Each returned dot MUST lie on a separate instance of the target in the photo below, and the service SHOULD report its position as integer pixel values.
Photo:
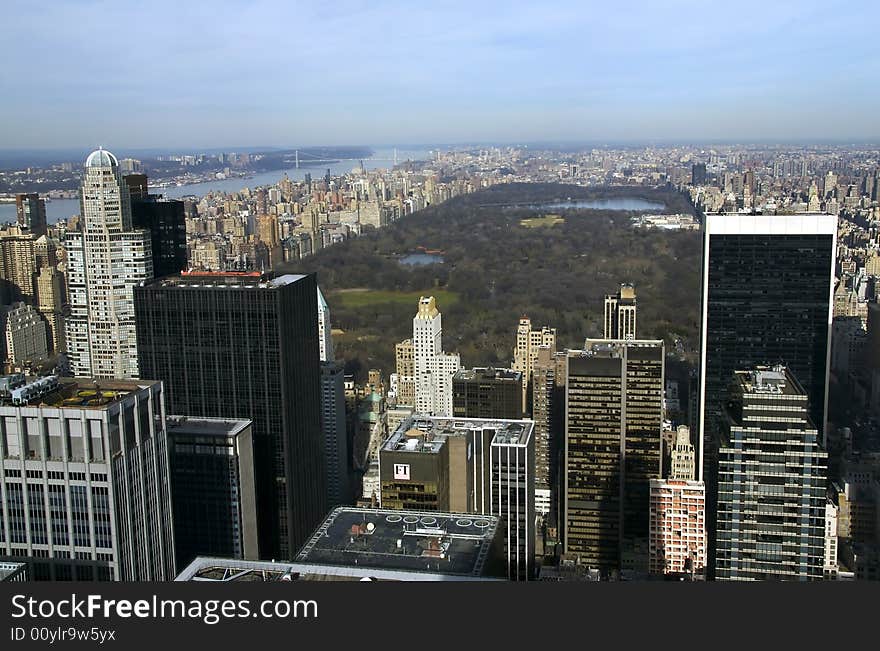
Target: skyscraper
(528, 342)
(433, 368)
(30, 211)
(677, 545)
(547, 400)
(18, 263)
(479, 466)
(106, 259)
(325, 341)
(487, 393)
(166, 223)
(768, 282)
(84, 472)
(25, 333)
(245, 345)
(613, 422)
(211, 465)
(620, 313)
(50, 303)
(772, 482)
(333, 423)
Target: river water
(61, 209)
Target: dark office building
(772, 479)
(767, 286)
(211, 462)
(166, 221)
(698, 174)
(245, 345)
(487, 393)
(30, 211)
(614, 418)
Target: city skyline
(403, 73)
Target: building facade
(211, 465)
(106, 258)
(528, 343)
(165, 221)
(30, 212)
(333, 421)
(620, 314)
(678, 516)
(51, 304)
(245, 345)
(475, 466)
(487, 393)
(768, 283)
(26, 339)
(772, 482)
(613, 424)
(84, 478)
(433, 369)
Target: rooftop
(189, 426)
(484, 373)
(101, 158)
(69, 393)
(769, 380)
(430, 543)
(227, 570)
(231, 279)
(428, 434)
(9, 570)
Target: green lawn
(359, 298)
(542, 222)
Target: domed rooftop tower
(101, 158)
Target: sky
(190, 74)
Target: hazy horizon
(222, 74)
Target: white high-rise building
(325, 342)
(26, 339)
(528, 343)
(106, 258)
(433, 369)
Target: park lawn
(360, 298)
(548, 220)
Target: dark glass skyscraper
(487, 393)
(613, 423)
(166, 222)
(245, 345)
(767, 299)
(211, 464)
(30, 211)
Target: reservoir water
(419, 259)
(616, 203)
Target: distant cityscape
(174, 405)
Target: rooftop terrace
(403, 541)
(428, 434)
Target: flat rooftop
(76, 393)
(231, 279)
(484, 373)
(9, 569)
(190, 426)
(226, 570)
(769, 380)
(426, 542)
(428, 434)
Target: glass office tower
(772, 478)
(768, 282)
(245, 345)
